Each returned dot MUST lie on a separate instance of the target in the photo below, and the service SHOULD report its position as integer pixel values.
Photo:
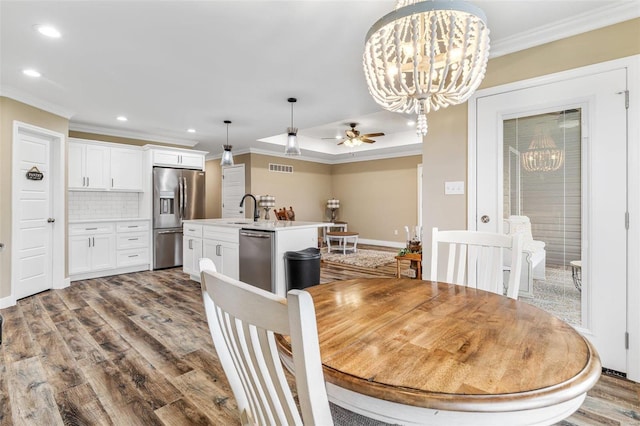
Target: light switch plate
(454, 188)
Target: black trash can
(302, 268)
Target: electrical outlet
(395, 232)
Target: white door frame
(58, 156)
(632, 63)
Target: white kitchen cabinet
(132, 244)
(126, 169)
(224, 255)
(221, 244)
(88, 166)
(91, 248)
(191, 249)
(178, 159)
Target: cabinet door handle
(87, 181)
(93, 240)
(89, 241)
(132, 226)
(84, 181)
(133, 255)
(133, 239)
(90, 229)
(190, 244)
(112, 182)
(218, 250)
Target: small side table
(343, 238)
(415, 258)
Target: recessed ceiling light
(31, 73)
(191, 130)
(411, 123)
(48, 30)
(122, 118)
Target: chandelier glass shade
(227, 157)
(426, 55)
(292, 147)
(353, 142)
(543, 155)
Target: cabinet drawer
(221, 233)
(131, 240)
(132, 257)
(142, 225)
(191, 230)
(91, 228)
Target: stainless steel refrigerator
(178, 195)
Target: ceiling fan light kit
(426, 55)
(227, 157)
(292, 147)
(354, 138)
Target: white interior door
(33, 244)
(600, 98)
(232, 191)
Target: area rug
(557, 295)
(362, 258)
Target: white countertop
(115, 219)
(262, 225)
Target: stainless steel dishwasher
(256, 258)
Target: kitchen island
(219, 240)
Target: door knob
(485, 219)
(51, 220)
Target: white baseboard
(7, 302)
(381, 243)
(109, 272)
(66, 282)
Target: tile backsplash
(103, 205)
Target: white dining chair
(475, 260)
(242, 320)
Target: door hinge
(626, 340)
(626, 220)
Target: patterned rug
(362, 258)
(557, 295)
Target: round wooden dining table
(409, 351)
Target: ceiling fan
(354, 138)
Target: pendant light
(227, 157)
(426, 55)
(292, 148)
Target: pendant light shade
(426, 55)
(227, 157)
(292, 148)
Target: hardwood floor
(135, 349)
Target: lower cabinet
(91, 248)
(191, 254)
(225, 256)
(107, 248)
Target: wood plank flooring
(135, 349)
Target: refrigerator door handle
(180, 198)
(184, 199)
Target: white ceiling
(173, 65)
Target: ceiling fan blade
(373, 135)
(366, 140)
(330, 138)
(351, 133)
(341, 142)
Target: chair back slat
(243, 320)
(477, 256)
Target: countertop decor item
(292, 147)
(426, 55)
(227, 157)
(266, 202)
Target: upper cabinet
(178, 158)
(88, 166)
(126, 169)
(104, 166)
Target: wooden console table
(415, 258)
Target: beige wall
(378, 197)
(213, 189)
(11, 110)
(445, 146)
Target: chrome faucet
(256, 213)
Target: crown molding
(34, 101)
(578, 24)
(131, 134)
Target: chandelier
(543, 155)
(426, 55)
